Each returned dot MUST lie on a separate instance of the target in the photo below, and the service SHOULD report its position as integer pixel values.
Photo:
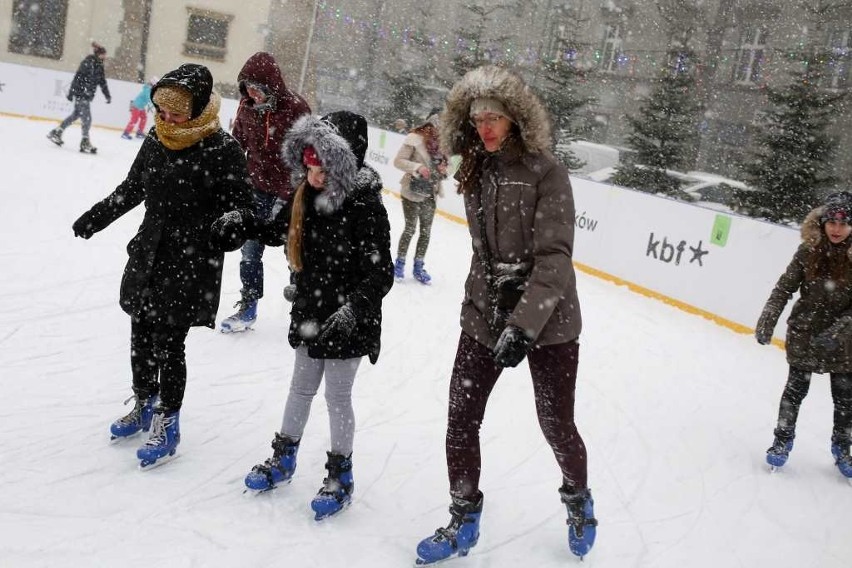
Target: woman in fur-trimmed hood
(819, 329)
(338, 243)
(520, 297)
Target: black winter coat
(173, 274)
(89, 76)
(346, 256)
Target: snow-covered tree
(794, 153)
(563, 90)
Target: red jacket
(260, 131)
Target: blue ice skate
(137, 420)
(399, 269)
(420, 273)
(582, 524)
(277, 469)
(779, 452)
(242, 320)
(335, 495)
(457, 538)
(164, 440)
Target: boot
(336, 491)
(582, 524)
(164, 440)
(86, 147)
(420, 273)
(838, 440)
(844, 461)
(137, 420)
(242, 320)
(55, 136)
(458, 537)
(277, 469)
(777, 454)
(399, 269)
(126, 135)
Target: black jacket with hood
(173, 275)
(346, 244)
(89, 76)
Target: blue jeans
(251, 265)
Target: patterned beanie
(488, 104)
(837, 207)
(173, 99)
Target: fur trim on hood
(338, 160)
(812, 230)
(526, 108)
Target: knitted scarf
(184, 135)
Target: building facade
(347, 53)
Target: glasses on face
(489, 120)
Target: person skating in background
(89, 76)
(425, 167)
(139, 107)
(188, 173)
(338, 240)
(266, 113)
(819, 330)
(520, 298)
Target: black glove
(109, 100)
(512, 346)
(82, 227)
(338, 327)
(69, 97)
(763, 337)
(825, 341)
(227, 233)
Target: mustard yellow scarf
(184, 135)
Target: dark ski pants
(554, 376)
(158, 361)
(798, 383)
(82, 110)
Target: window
(611, 52)
(207, 34)
(38, 27)
(837, 72)
(751, 55)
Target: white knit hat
(488, 104)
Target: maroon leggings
(554, 375)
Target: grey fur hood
(812, 231)
(528, 111)
(338, 160)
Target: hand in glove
(337, 328)
(109, 100)
(825, 341)
(512, 346)
(82, 227)
(227, 233)
(763, 337)
(69, 97)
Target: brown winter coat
(822, 307)
(260, 131)
(528, 220)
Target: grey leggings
(339, 378)
(424, 211)
(81, 111)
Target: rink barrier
(716, 265)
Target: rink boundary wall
(715, 265)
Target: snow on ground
(676, 413)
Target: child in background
(139, 111)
